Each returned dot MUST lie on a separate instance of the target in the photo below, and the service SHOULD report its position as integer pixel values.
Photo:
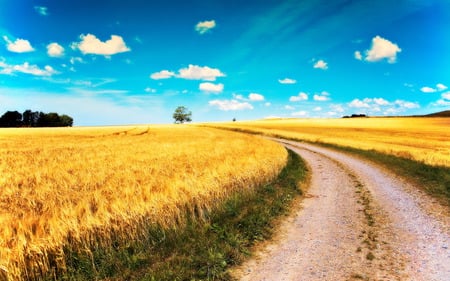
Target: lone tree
(182, 114)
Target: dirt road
(357, 222)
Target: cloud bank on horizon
(135, 62)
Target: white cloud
(358, 55)
(18, 46)
(73, 60)
(376, 105)
(289, 107)
(317, 108)
(43, 11)
(55, 50)
(337, 107)
(27, 69)
(195, 72)
(444, 101)
(358, 104)
(163, 74)
(408, 85)
(205, 26)
(211, 88)
(251, 97)
(150, 90)
(239, 97)
(287, 81)
(321, 64)
(441, 87)
(382, 49)
(300, 97)
(380, 101)
(267, 104)
(446, 96)
(230, 105)
(299, 113)
(322, 96)
(192, 72)
(255, 97)
(92, 45)
(407, 104)
(427, 90)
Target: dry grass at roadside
(421, 139)
(85, 187)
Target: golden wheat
(80, 187)
(422, 139)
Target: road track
(356, 222)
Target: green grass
(203, 248)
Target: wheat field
(90, 186)
(421, 139)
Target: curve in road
(357, 222)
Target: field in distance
(418, 138)
(97, 186)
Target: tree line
(31, 118)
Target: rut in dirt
(356, 222)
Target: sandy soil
(357, 222)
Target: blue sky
(128, 62)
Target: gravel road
(356, 222)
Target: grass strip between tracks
(205, 247)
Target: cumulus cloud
(195, 72)
(322, 96)
(289, 107)
(300, 97)
(428, 90)
(230, 105)
(446, 96)
(55, 50)
(251, 97)
(18, 46)
(205, 26)
(321, 64)
(382, 49)
(380, 101)
(337, 107)
(150, 90)
(255, 97)
(27, 69)
(43, 11)
(192, 72)
(239, 97)
(439, 88)
(299, 113)
(317, 108)
(444, 100)
(211, 88)
(358, 55)
(163, 74)
(287, 81)
(357, 103)
(407, 104)
(376, 105)
(90, 44)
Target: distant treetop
(34, 119)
